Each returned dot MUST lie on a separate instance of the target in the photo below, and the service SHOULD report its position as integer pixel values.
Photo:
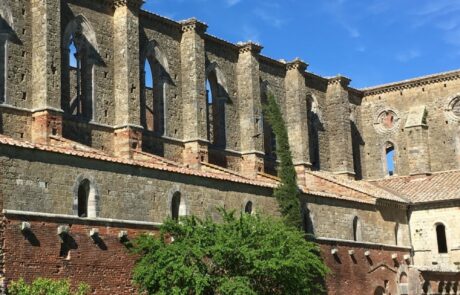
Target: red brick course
(106, 266)
(357, 275)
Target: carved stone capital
(193, 24)
(250, 47)
(297, 64)
(342, 80)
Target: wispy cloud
(269, 17)
(408, 55)
(336, 8)
(250, 33)
(232, 2)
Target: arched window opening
(215, 110)
(80, 55)
(154, 81)
(390, 158)
(441, 238)
(178, 207)
(269, 135)
(83, 198)
(248, 208)
(6, 32)
(3, 67)
(314, 125)
(357, 235)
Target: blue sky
(370, 41)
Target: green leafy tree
(43, 286)
(238, 256)
(287, 193)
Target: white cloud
(408, 55)
(269, 17)
(232, 2)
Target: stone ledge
(360, 243)
(76, 219)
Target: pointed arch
(6, 32)
(390, 156)
(216, 99)
(79, 43)
(314, 127)
(155, 79)
(269, 135)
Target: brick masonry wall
(106, 266)
(356, 274)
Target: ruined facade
(113, 118)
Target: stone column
(46, 69)
(296, 117)
(339, 127)
(128, 131)
(194, 93)
(250, 110)
(418, 150)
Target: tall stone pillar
(250, 110)
(416, 131)
(339, 127)
(296, 117)
(128, 131)
(194, 93)
(46, 69)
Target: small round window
(386, 121)
(453, 108)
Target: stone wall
(378, 224)
(48, 182)
(424, 220)
(441, 124)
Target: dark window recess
(441, 237)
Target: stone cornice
(412, 83)
(193, 24)
(121, 3)
(297, 65)
(342, 80)
(250, 47)
(161, 19)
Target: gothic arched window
(216, 98)
(80, 53)
(248, 208)
(154, 81)
(6, 32)
(390, 158)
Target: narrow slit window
(3, 69)
(441, 238)
(357, 229)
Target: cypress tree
(287, 193)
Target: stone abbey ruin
(113, 118)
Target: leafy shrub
(43, 286)
(246, 255)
